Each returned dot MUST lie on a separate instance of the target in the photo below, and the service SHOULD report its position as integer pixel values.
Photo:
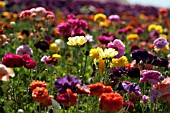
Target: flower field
(92, 58)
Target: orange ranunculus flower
(67, 99)
(37, 83)
(129, 28)
(40, 94)
(112, 102)
(98, 88)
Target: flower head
(5, 73)
(68, 82)
(119, 46)
(107, 53)
(40, 94)
(60, 43)
(119, 62)
(54, 48)
(98, 88)
(160, 42)
(164, 89)
(37, 83)
(68, 98)
(43, 45)
(151, 76)
(111, 102)
(94, 53)
(23, 49)
(100, 18)
(114, 18)
(76, 41)
(132, 37)
(12, 60)
(130, 87)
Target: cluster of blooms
(69, 86)
(40, 93)
(73, 27)
(13, 60)
(37, 14)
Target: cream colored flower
(107, 53)
(76, 41)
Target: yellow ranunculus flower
(163, 36)
(76, 41)
(159, 28)
(54, 48)
(56, 56)
(2, 4)
(94, 53)
(107, 53)
(132, 37)
(105, 23)
(151, 27)
(100, 64)
(119, 62)
(100, 17)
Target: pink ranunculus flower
(23, 49)
(119, 46)
(151, 76)
(164, 88)
(114, 18)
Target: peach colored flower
(164, 89)
(37, 83)
(5, 73)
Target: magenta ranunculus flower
(28, 61)
(23, 49)
(160, 42)
(151, 76)
(145, 99)
(104, 39)
(12, 60)
(119, 46)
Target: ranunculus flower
(40, 94)
(76, 41)
(114, 18)
(130, 87)
(37, 83)
(164, 89)
(160, 43)
(119, 46)
(68, 98)
(151, 76)
(28, 62)
(60, 43)
(43, 45)
(5, 73)
(68, 82)
(112, 102)
(12, 60)
(23, 49)
(145, 99)
(98, 88)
